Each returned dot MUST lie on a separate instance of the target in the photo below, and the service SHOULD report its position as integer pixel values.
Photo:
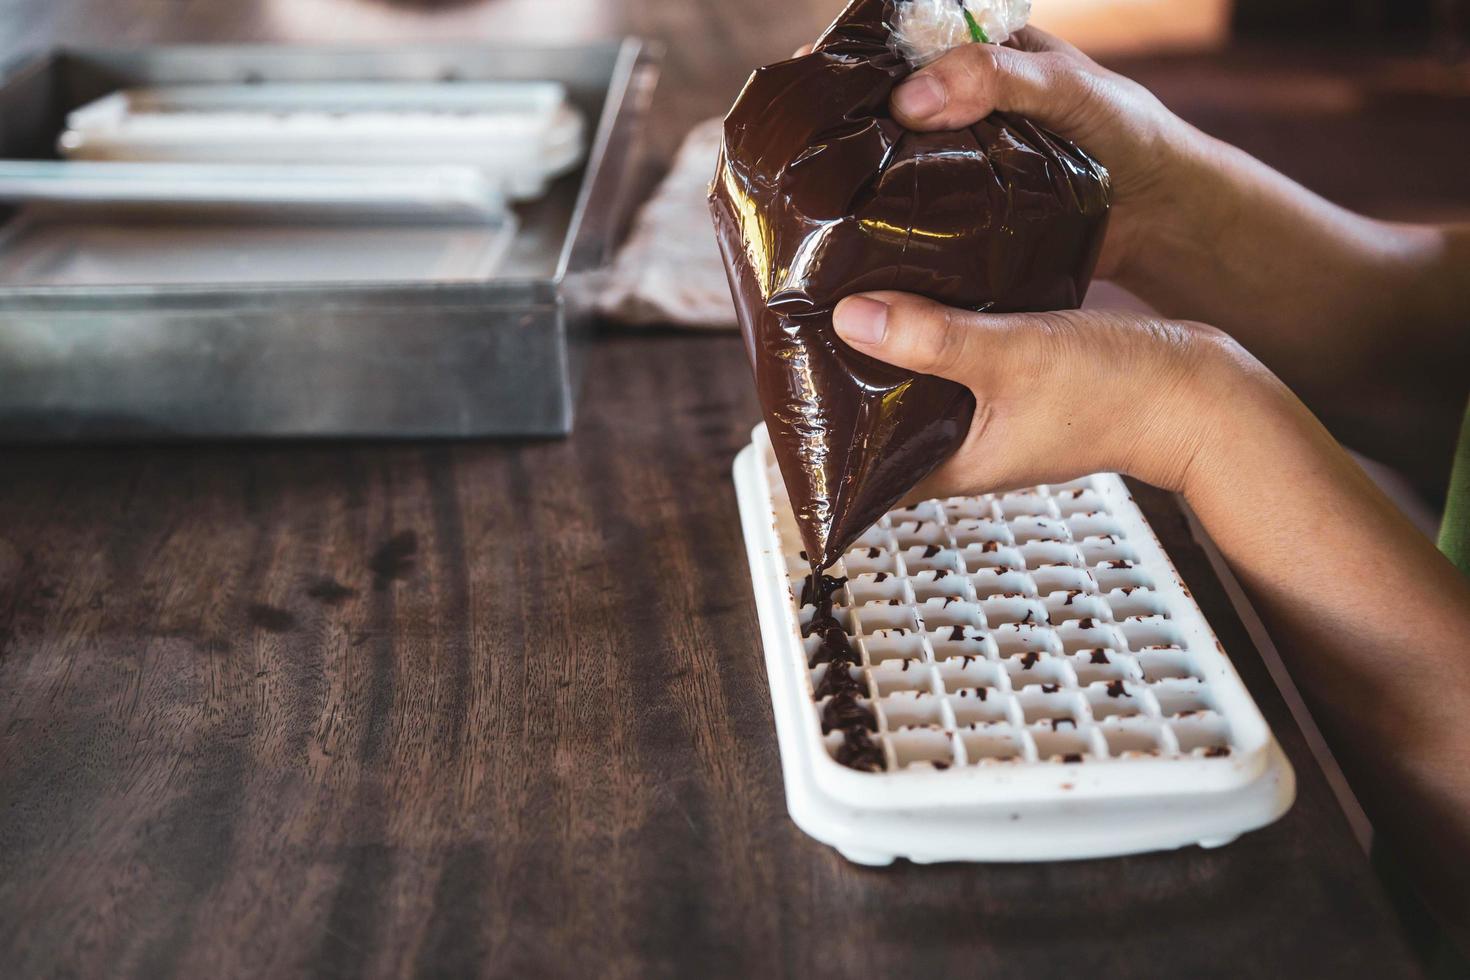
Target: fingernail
(920, 97)
(861, 320)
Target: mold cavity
(892, 677)
(1206, 735)
(1002, 611)
(1162, 665)
(1088, 633)
(931, 557)
(1095, 665)
(929, 585)
(910, 711)
(1012, 641)
(1039, 554)
(1136, 602)
(1121, 576)
(968, 533)
(1124, 742)
(1100, 550)
(1039, 529)
(862, 561)
(1000, 581)
(1014, 505)
(876, 587)
(1060, 578)
(1143, 633)
(969, 675)
(1032, 669)
(1181, 699)
(1065, 607)
(1061, 746)
(973, 710)
(1078, 500)
(884, 647)
(950, 612)
(922, 748)
(910, 533)
(1093, 526)
(992, 746)
(1114, 699)
(876, 616)
(1038, 706)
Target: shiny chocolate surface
(820, 194)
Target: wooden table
(500, 708)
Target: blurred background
(1335, 92)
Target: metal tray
(499, 357)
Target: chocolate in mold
(819, 194)
(813, 593)
(844, 711)
(838, 687)
(858, 751)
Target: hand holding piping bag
(1363, 319)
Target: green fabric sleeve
(1454, 533)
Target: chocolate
(858, 751)
(819, 194)
(838, 680)
(842, 712)
(834, 646)
(827, 588)
(845, 712)
(1116, 690)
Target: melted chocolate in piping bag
(820, 194)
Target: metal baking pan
(452, 358)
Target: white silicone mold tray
(1041, 684)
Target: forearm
(1368, 321)
(1373, 623)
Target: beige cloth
(670, 272)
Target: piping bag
(819, 194)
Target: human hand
(1060, 395)
(1145, 147)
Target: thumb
(911, 332)
(1052, 86)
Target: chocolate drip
(843, 711)
(826, 585)
(858, 751)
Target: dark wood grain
(540, 744)
(500, 708)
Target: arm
(1373, 620)
(1366, 320)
